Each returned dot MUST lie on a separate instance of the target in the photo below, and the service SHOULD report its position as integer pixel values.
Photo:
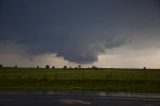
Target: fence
(80, 74)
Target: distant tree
(79, 66)
(15, 66)
(94, 67)
(47, 67)
(37, 66)
(76, 67)
(144, 68)
(64, 67)
(53, 67)
(1, 65)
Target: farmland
(109, 79)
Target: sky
(105, 33)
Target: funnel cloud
(79, 30)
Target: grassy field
(127, 80)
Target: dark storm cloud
(78, 30)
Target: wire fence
(80, 74)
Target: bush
(47, 66)
(1, 65)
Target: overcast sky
(105, 33)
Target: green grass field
(129, 80)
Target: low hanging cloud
(78, 31)
(13, 54)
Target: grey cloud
(75, 30)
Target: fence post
(29, 76)
(107, 77)
(4, 73)
(83, 74)
(44, 75)
(55, 75)
(114, 72)
(145, 74)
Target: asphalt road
(78, 99)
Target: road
(78, 99)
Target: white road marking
(74, 101)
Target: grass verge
(68, 85)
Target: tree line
(53, 67)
